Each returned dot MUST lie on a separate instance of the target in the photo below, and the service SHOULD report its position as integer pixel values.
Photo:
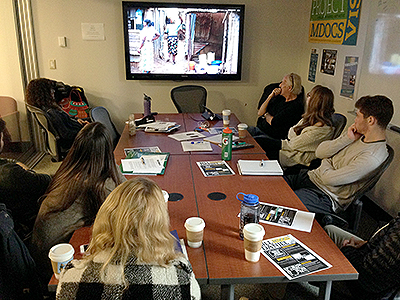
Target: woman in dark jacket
(40, 93)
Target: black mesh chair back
(268, 90)
(100, 114)
(339, 122)
(189, 98)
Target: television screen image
(174, 41)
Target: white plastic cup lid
(253, 232)
(61, 252)
(166, 195)
(242, 126)
(226, 112)
(195, 224)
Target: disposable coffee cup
(253, 236)
(242, 128)
(194, 231)
(226, 113)
(166, 196)
(60, 255)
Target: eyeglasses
(292, 80)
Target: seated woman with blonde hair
(132, 253)
(280, 108)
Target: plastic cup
(253, 236)
(131, 125)
(242, 128)
(60, 255)
(226, 113)
(194, 231)
(166, 195)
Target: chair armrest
(332, 219)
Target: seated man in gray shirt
(348, 161)
(20, 189)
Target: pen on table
(276, 212)
(196, 142)
(142, 159)
(158, 162)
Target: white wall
(276, 43)
(387, 191)
(274, 40)
(10, 75)
(342, 104)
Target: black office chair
(189, 98)
(18, 273)
(350, 218)
(100, 114)
(50, 135)
(339, 122)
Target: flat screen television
(180, 41)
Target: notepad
(259, 167)
(159, 126)
(144, 163)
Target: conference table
(221, 260)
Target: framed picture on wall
(349, 76)
(328, 63)
(313, 65)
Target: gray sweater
(346, 166)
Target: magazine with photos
(292, 257)
(215, 168)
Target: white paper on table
(292, 257)
(303, 220)
(184, 136)
(217, 139)
(218, 130)
(145, 164)
(196, 146)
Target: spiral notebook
(259, 167)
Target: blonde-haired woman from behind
(132, 252)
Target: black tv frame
(182, 76)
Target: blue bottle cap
(249, 199)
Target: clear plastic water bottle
(226, 153)
(131, 125)
(249, 210)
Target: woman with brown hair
(315, 127)
(79, 187)
(40, 93)
(132, 253)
